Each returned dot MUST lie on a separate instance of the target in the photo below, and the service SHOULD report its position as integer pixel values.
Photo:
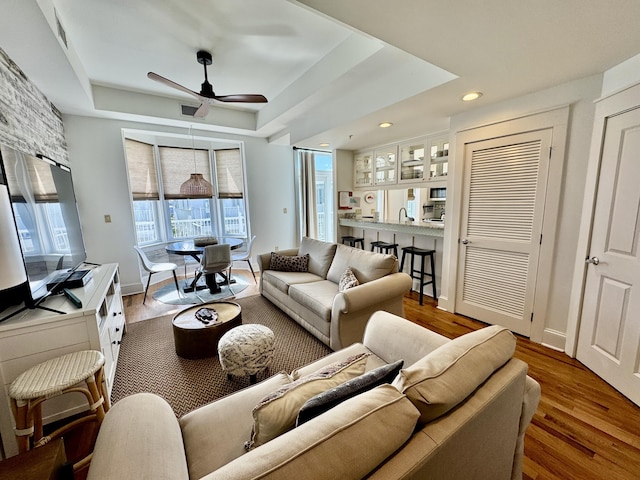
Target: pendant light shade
(196, 187)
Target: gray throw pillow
(327, 400)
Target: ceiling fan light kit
(206, 95)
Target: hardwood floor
(583, 428)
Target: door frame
(556, 119)
(614, 103)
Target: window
(162, 212)
(314, 185)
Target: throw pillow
(276, 413)
(327, 400)
(442, 379)
(347, 280)
(289, 263)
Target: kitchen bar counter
(430, 229)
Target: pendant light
(196, 186)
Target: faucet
(411, 219)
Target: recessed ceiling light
(385, 124)
(472, 96)
(324, 144)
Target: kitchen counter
(430, 229)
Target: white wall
(97, 161)
(579, 95)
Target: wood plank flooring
(583, 428)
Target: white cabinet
(363, 169)
(413, 162)
(385, 165)
(34, 336)
(439, 158)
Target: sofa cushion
(347, 280)
(366, 266)
(206, 449)
(445, 377)
(282, 280)
(327, 400)
(320, 255)
(289, 263)
(276, 413)
(317, 297)
(347, 443)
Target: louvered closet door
(504, 192)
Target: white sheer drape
(306, 175)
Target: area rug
(169, 295)
(148, 362)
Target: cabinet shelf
(412, 163)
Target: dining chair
(216, 259)
(246, 256)
(152, 268)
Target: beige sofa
(457, 410)
(314, 301)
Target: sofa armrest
(380, 290)
(530, 402)
(352, 308)
(139, 438)
(394, 338)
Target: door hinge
(531, 317)
(540, 239)
(550, 150)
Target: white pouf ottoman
(246, 350)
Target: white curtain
(306, 175)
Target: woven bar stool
(353, 241)
(55, 377)
(422, 253)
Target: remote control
(75, 300)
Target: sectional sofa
(457, 409)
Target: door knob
(593, 260)
(465, 241)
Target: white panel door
(609, 338)
(505, 181)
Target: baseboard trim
(554, 339)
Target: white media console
(34, 336)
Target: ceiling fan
(206, 95)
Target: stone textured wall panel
(29, 122)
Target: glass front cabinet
(385, 165)
(439, 158)
(412, 162)
(363, 169)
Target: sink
(433, 220)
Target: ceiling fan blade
(166, 81)
(248, 98)
(202, 111)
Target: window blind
(229, 173)
(142, 170)
(176, 165)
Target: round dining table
(188, 247)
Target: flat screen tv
(47, 222)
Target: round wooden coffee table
(194, 338)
